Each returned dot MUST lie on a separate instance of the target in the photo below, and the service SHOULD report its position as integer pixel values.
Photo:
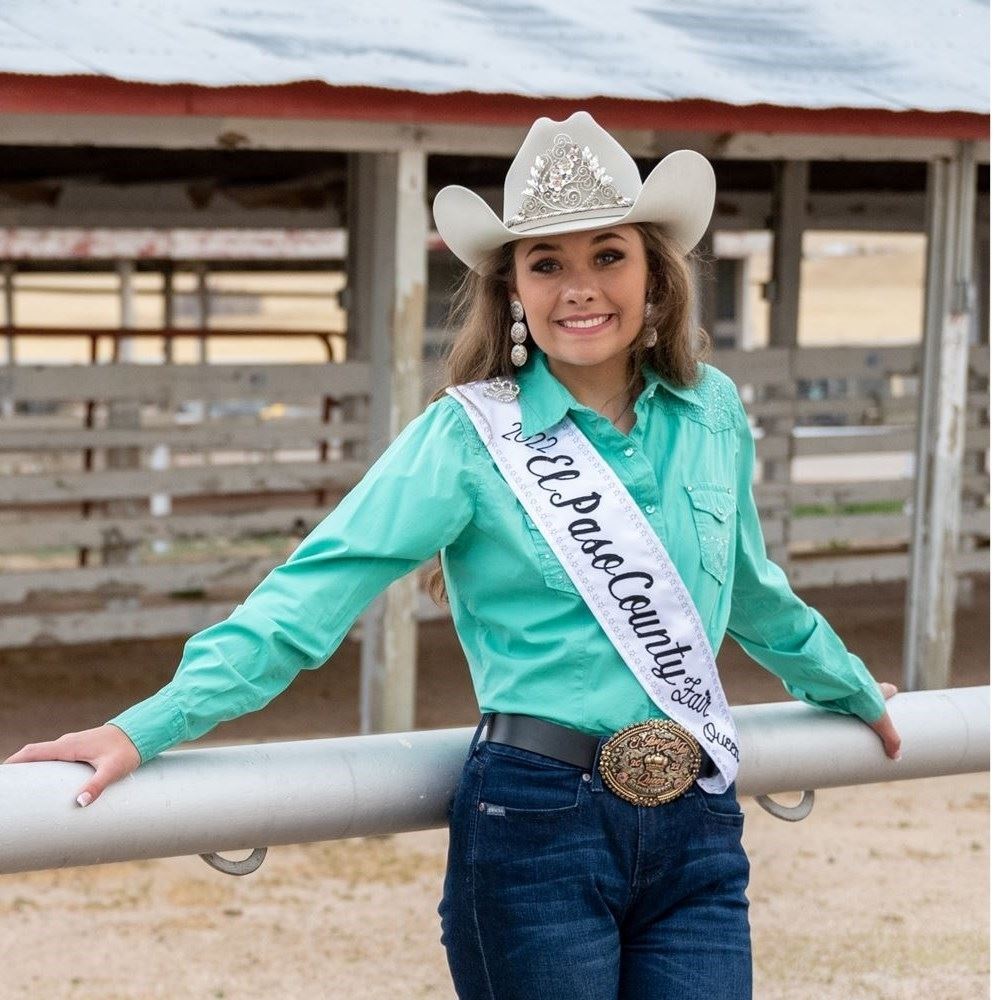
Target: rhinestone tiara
(566, 179)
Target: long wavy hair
(479, 316)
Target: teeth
(582, 324)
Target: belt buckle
(651, 762)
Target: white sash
(619, 566)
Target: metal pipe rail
(237, 797)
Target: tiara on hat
(566, 179)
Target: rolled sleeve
(780, 631)
(413, 501)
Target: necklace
(627, 415)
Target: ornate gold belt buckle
(650, 762)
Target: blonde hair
(480, 317)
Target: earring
(649, 332)
(518, 333)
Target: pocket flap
(715, 500)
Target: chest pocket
(714, 510)
(552, 570)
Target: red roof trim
(90, 95)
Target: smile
(588, 323)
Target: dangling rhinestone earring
(518, 333)
(649, 333)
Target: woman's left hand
(884, 728)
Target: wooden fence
(145, 500)
(851, 413)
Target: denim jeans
(557, 888)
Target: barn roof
(893, 55)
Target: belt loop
(596, 784)
(483, 719)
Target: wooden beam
(705, 274)
(213, 480)
(312, 115)
(56, 628)
(233, 434)
(949, 303)
(88, 206)
(387, 268)
(168, 385)
(116, 582)
(8, 270)
(123, 415)
(844, 570)
(788, 224)
(23, 533)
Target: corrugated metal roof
(888, 54)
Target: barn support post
(977, 462)
(705, 280)
(123, 414)
(204, 310)
(9, 270)
(203, 314)
(161, 504)
(387, 286)
(981, 331)
(788, 220)
(949, 306)
(169, 310)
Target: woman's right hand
(107, 749)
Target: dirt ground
(881, 893)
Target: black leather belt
(553, 740)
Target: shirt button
(629, 452)
(690, 488)
(650, 509)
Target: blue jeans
(557, 888)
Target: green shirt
(532, 644)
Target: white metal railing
(237, 797)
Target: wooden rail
(270, 448)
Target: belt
(575, 747)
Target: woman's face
(584, 294)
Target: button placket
(646, 487)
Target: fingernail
(898, 755)
(85, 798)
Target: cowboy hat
(573, 175)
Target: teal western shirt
(532, 644)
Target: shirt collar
(545, 400)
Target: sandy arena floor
(881, 893)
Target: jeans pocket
(516, 781)
(525, 803)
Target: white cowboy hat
(573, 175)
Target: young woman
(587, 484)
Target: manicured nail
(85, 798)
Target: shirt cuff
(153, 725)
(867, 704)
